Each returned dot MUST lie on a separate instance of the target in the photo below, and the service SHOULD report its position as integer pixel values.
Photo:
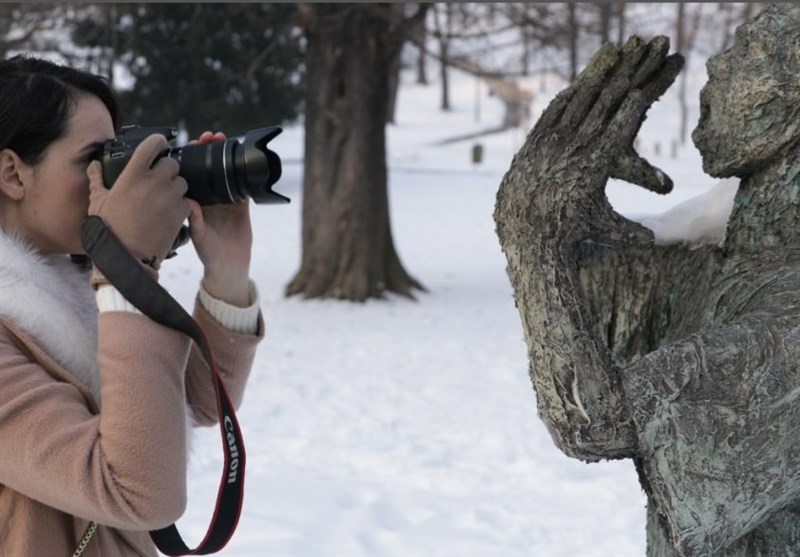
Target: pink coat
(63, 463)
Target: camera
(216, 173)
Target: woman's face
(56, 195)
(745, 108)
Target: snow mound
(700, 220)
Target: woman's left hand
(223, 237)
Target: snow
(697, 221)
(402, 428)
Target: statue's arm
(550, 202)
(641, 299)
(718, 428)
(579, 395)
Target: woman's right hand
(146, 205)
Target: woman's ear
(13, 171)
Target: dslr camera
(221, 172)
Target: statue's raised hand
(553, 198)
(584, 137)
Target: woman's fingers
(208, 137)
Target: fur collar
(50, 298)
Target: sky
(409, 428)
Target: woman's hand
(146, 205)
(223, 237)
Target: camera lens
(230, 171)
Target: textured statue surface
(685, 360)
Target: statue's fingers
(659, 83)
(603, 225)
(589, 84)
(644, 66)
(625, 232)
(614, 92)
(657, 50)
(633, 168)
(663, 78)
(623, 126)
(600, 63)
(552, 114)
(629, 165)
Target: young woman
(95, 397)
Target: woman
(95, 397)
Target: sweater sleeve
(237, 319)
(233, 334)
(233, 353)
(124, 466)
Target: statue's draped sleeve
(717, 417)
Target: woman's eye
(94, 156)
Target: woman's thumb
(97, 191)
(95, 173)
(197, 224)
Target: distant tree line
(515, 39)
(233, 67)
(220, 66)
(252, 55)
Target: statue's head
(750, 107)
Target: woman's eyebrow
(94, 146)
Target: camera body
(222, 172)
(216, 173)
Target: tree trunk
(420, 33)
(605, 22)
(525, 35)
(680, 46)
(621, 23)
(444, 52)
(395, 67)
(572, 29)
(685, 35)
(348, 252)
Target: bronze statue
(687, 361)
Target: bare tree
(686, 30)
(443, 32)
(24, 26)
(348, 251)
(605, 13)
(419, 36)
(621, 20)
(573, 41)
(525, 35)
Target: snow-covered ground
(401, 428)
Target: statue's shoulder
(766, 284)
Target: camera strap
(138, 287)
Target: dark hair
(37, 98)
